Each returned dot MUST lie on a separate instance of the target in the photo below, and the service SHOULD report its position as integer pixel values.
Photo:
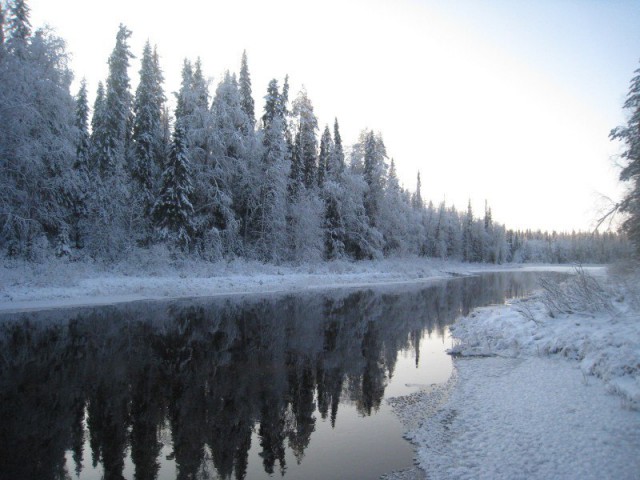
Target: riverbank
(537, 396)
(60, 283)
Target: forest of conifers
(217, 176)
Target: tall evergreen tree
(467, 236)
(246, 99)
(337, 155)
(324, 158)
(231, 154)
(284, 97)
(98, 129)
(173, 211)
(200, 86)
(374, 172)
(117, 104)
(416, 201)
(19, 27)
(193, 111)
(185, 102)
(270, 214)
(82, 124)
(629, 134)
(306, 143)
(80, 199)
(272, 107)
(147, 129)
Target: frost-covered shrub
(580, 293)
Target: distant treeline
(216, 179)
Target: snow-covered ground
(536, 396)
(60, 283)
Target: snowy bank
(60, 283)
(547, 387)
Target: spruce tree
(416, 201)
(19, 27)
(375, 154)
(467, 236)
(147, 129)
(185, 103)
(306, 143)
(200, 86)
(337, 155)
(80, 199)
(324, 158)
(284, 98)
(82, 124)
(98, 130)
(271, 221)
(173, 211)
(117, 104)
(272, 106)
(246, 100)
(629, 134)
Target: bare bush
(581, 293)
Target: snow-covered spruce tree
(193, 111)
(329, 176)
(246, 100)
(211, 199)
(306, 142)
(82, 124)
(396, 217)
(361, 240)
(629, 134)
(337, 163)
(324, 157)
(97, 142)
(185, 100)
(269, 222)
(489, 252)
(19, 28)
(81, 164)
(335, 193)
(467, 235)
(441, 233)
(416, 200)
(37, 139)
(232, 172)
(148, 136)
(117, 108)
(374, 171)
(173, 212)
(110, 228)
(306, 210)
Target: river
(230, 387)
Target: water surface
(237, 387)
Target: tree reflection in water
(212, 372)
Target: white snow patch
(528, 418)
(60, 283)
(525, 411)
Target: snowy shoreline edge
(534, 396)
(30, 287)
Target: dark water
(237, 387)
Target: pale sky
(505, 100)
